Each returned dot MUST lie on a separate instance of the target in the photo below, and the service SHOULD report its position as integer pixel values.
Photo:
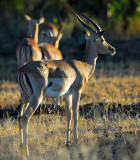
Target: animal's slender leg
(68, 101)
(75, 107)
(33, 104)
(20, 121)
(24, 105)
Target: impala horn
(86, 25)
(94, 24)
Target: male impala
(50, 49)
(57, 78)
(28, 49)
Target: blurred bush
(120, 18)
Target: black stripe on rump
(31, 53)
(25, 50)
(28, 81)
(22, 85)
(19, 81)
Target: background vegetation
(121, 18)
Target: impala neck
(35, 34)
(90, 58)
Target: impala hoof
(76, 145)
(24, 151)
(68, 144)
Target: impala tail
(27, 51)
(31, 77)
(24, 54)
(25, 84)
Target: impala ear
(59, 36)
(41, 20)
(28, 18)
(85, 35)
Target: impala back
(50, 52)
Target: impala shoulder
(79, 65)
(50, 45)
(82, 70)
(54, 50)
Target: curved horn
(85, 25)
(95, 25)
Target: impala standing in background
(28, 49)
(57, 78)
(44, 27)
(48, 39)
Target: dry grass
(114, 89)
(99, 138)
(9, 93)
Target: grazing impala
(28, 49)
(57, 78)
(49, 48)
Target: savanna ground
(104, 138)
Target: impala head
(32, 23)
(96, 37)
(47, 36)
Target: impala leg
(20, 121)
(75, 107)
(68, 102)
(24, 105)
(25, 118)
(58, 101)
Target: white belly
(49, 92)
(58, 87)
